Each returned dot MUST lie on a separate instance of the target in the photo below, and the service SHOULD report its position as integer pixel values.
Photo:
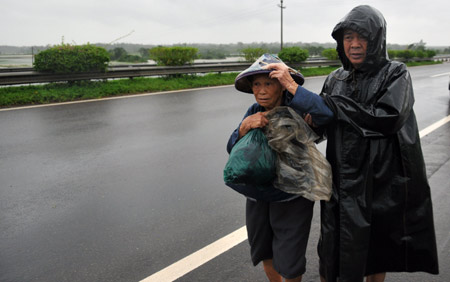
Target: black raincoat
(380, 217)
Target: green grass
(317, 71)
(423, 63)
(63, 92)
(83, 90)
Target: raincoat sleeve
(385, 113)
(305, 101)
(235, 135)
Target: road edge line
(441, 74)
(434, 126)
(109, 98)
(193, 261)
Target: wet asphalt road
(116, 190)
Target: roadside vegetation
(173, 56)
(67, 58)
(83, 90)
(86, 58)
(119, 54)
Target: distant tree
(393, 54)
(144, 53)
(121, 55)
(132, 59)
(293, 54)
(419, 54)
(117, 53)
(314, 50)
(252, 54)
(413, 51)
(212, 54)
(173, 56)
(240, 46)
(330, 54)
(405, 54)
(419, 46)
(430, 53)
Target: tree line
(66, 58)
(216, 51)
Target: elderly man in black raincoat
(379, 218)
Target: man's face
(267, 91)
(355, 47)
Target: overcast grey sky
(42, 22)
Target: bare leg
(297, 279)
(378, 277)
(271, 273)
(274, 276)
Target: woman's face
(268, 92)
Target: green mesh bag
(251, 161)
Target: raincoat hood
(370, 23)
(242, 82)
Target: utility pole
(281, 8)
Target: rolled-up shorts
(280, 231)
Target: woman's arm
(257, 120)
(310, 103)
(253, 118)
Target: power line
(128, 34)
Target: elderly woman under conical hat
(278, 223)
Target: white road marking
(441, 74)
(434, 126)
(191, 262)
(109, 98)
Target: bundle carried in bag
(251, 160)
(251, 168)
(300, 167)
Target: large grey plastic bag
(301, 168)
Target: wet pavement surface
(116, 190)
